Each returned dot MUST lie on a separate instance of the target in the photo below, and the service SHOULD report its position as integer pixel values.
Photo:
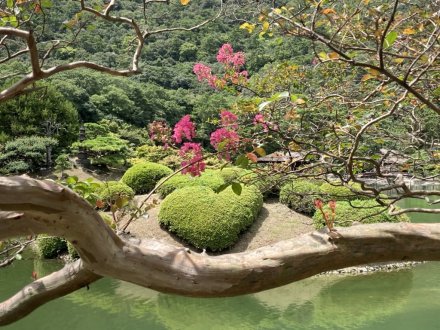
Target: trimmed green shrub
(153, 153)
(143, 177)
(300, 195)
(105, 150)
(172, 161)
(49, 247)
(111, 190)
(25, 154)
(338, 192)
(364, 212)
(208, 220)
(208, 178)
(230, 174)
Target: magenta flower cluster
(232, 63)
(225, 139)
(260, 120)
(192, 154)
(227, 56)
(184, 129)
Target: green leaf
(390, 39)
(263, 105)
(221, 146)
(10, 4)
(121, 202)
(279, 96)
(222, 187)
(72, 180)
(242, 161)
(260, 151)
(236, 188)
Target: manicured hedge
(209, 178)
(208, 220)
(111, 190)
(346, 214)
(143, 177)
(300, 195)
(338, 192)
(49, 247)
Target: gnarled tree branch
(30, 206)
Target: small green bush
(230, 174)
(339, 192)
(208, 178)
(300, 195)
(208, 220)
(111, 190)
(366, 213)
(49, 247)
(153, 154)
(143, 177)
(172, 161)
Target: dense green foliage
(336, 191)
(49, 247)
(87, 188)
(152, 153)
(112, 190)
(25, 154)
(300, 195)
(208, 220)
(62, 163)
(209, 178)
(105, 150)
(362, 211)
(28, 115)
(143, 177)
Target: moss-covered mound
(338, 192)
(364, 211)
(49, 247)
(209, 178)
(143, 177)
(209, 220)
(300, 195)
(112, 190)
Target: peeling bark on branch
(30, 206)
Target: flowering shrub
(185, 128)
(229, 120)
(232, 63)
(159, 131)
(193, 158)
(225, 141)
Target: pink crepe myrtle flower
(229, 120)
(227, 56)
(260, 120)
(184, 129)
(225, 141)
(159, 131)
(193, 158)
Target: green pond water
(406, 299)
